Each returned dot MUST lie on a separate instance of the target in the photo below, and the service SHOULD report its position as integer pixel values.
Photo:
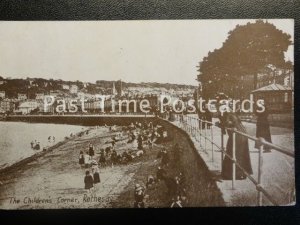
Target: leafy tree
(247, 50)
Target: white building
(27, 106)
(39, 96)
(66, 87)
(6, 105)
(54, 93)
(73, 89)
(22, 97)
(2, 94)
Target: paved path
(278, 176)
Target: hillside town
(27, 96)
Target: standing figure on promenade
(231, 120)
(263, 128)
(208, 117)
(88, 181)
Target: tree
(247, 50)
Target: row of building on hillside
(91, 105)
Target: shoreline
(57, 175)
(19, 163)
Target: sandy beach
(55, 180)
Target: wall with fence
(212, 142)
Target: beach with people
(20, 140)
(143, 164)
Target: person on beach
(96, 176)
(81, 159)
(150, 144)
(163, 154)
(91, 151)
(139, 194)
(140, 142)
(102, 159)
(37, 146)
(113, 158)
(32, 144)
(88, 181)
(160, 174)
(113, 142)
(176, 202)
(86, 160)
(263, 129)
(150, 182)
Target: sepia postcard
(147, 113)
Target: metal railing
(201, 129)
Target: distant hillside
(31, 86)
(108, 84)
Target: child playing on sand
(81, 159)
(86, 160)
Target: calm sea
(15, 138)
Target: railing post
(205, 135)
(192, 126)
(195, 127)
(212, 143)
(222, 148)
(259, 194)
(192, 129)
(233, 159)
(200, 131)
(189, 124)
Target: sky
(165, 51)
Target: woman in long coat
(231, 120)
(88, 181)
(96, 176)
(263, 129)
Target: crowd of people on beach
(36, 145)
(140, 138)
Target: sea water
(15, 138)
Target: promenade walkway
(277, 170)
